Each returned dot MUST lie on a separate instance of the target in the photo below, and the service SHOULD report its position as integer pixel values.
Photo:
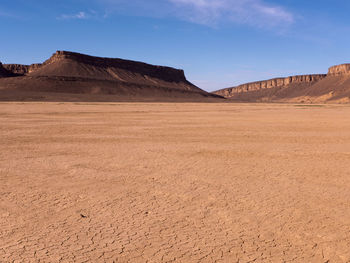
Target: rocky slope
(4, 73)
(317, 88)
(19, 69)
(268, 84)
(67, 75)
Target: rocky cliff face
(333, 87)
(343, 69)
(338, 70)
(4, 72)
(19, 69)
(83, 77)
(159, 72)
(268, 84)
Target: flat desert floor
(119, 182)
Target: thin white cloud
(79, 15)
(258, 13)
(253, 12)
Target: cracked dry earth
(174, 183)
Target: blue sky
(219, 43)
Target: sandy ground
(174, 183)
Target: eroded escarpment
(110, 64)
(333, 87)
(76, 74)
(271, 83)
(300, 81)
(4, 72)
(160, 72)
(343, 69)
(20, 70)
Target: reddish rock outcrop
(343, 69)
(4, 73)
(19, 69)
(268, 84)
(70, 75)
(107, 67)
(160, 72)
(333, 88)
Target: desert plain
(174, 182)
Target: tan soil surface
(174, 182)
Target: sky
(219, 43)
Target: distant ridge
(271, 83)
(92, 77)
(333, 87)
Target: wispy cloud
(253, 12)
(258, 13)
(79, 15)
